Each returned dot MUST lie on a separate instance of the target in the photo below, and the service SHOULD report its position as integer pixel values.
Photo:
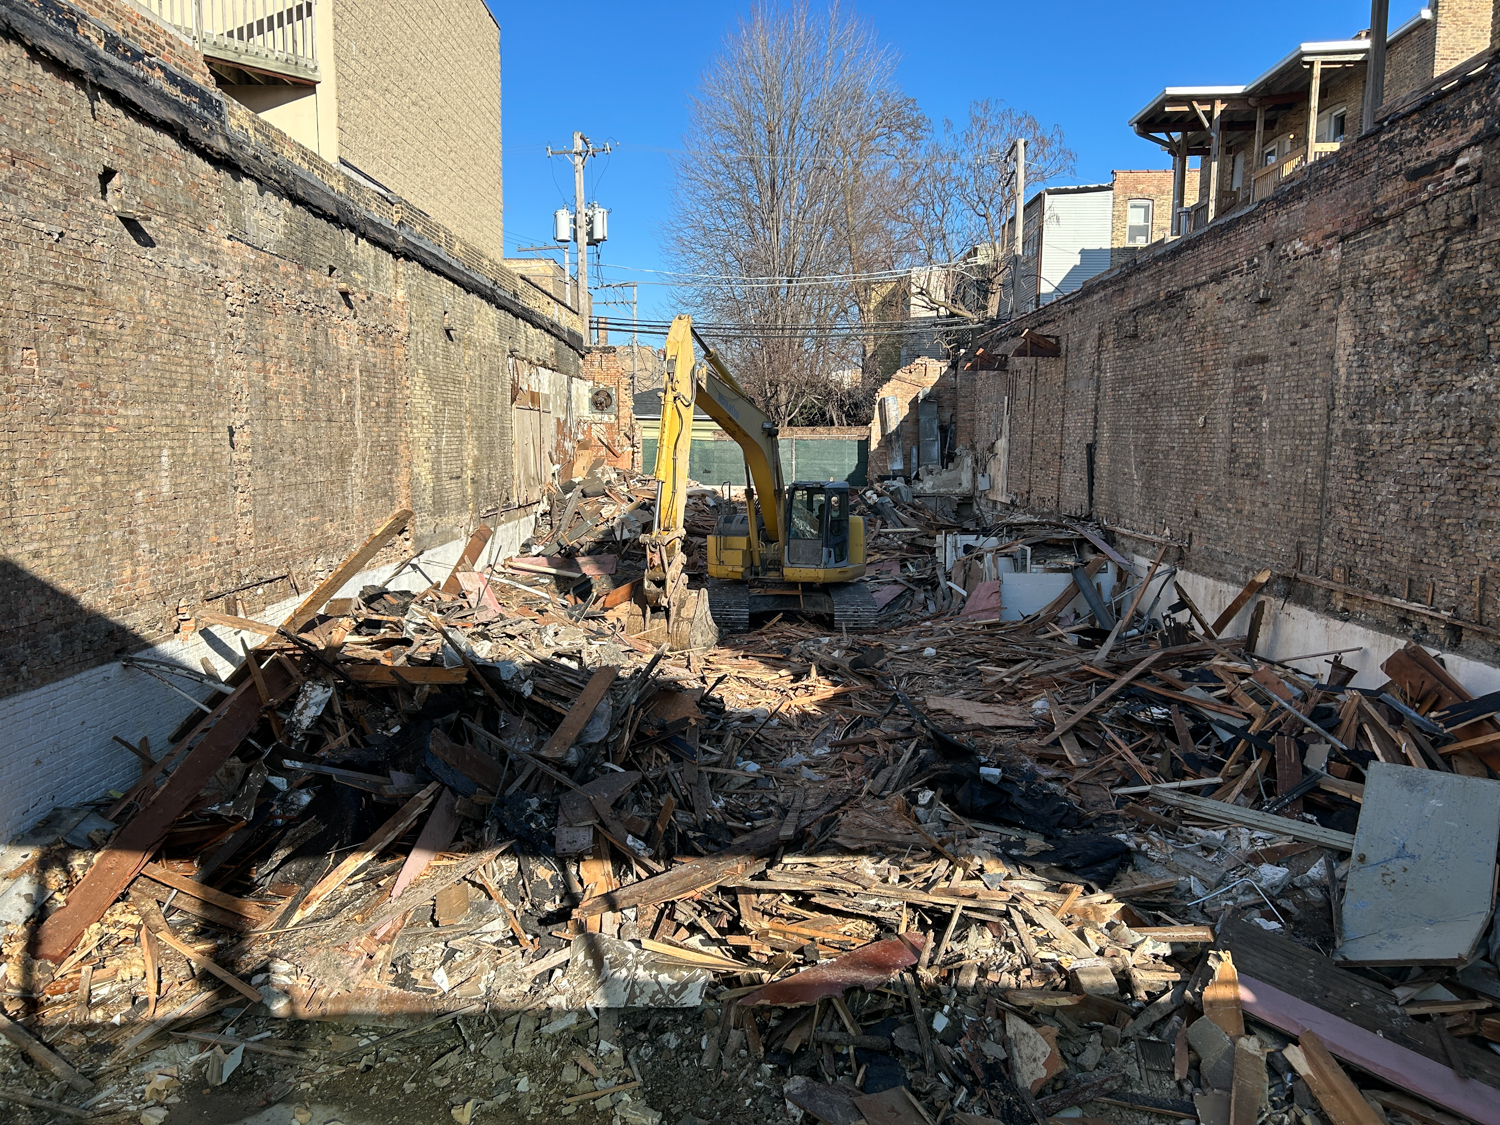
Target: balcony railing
(274, 36)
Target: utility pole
(1018, 151)
(1375, 68)
(579, 154)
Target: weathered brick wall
(1307, 385)
(418, 91)
(905, 386)
(624, 369)
(1132, 184)
(229, 386)
(1409, 61)
(1463, 30)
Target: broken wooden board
(1339, 1097)
(471, 552)
(1399, 1066)
(346, 570)
(578, 716)
(1241, 600)
(682, 881)
(987, 714)
(1221, 813)
(1320, 982)
(1422, 875)
(138, 838)
(386, 674)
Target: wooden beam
(1215, 159)
(229, 621)
(44, 1056)
(315, 601)
(1313, 92)
(471, 552)
(384, 836)
(1241, 600)
(139, 837)
(579, 714)
(1104, 696)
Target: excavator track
(853, 606)
(729, 602)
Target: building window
(1332, 124)
(1138, 222)
(1237, 177)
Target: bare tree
(794, 188)
(964, 198)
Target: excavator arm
(726, 402)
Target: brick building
(1141, 211)
(404, 97)
(223, 361)
(1250, 138)
(1307, 384)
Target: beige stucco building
(405, 98)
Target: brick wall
(1307, 385)
(1409, 61)
(229, 386)
(904, 387)
(1132, 184)
(625, 370)
(418, 94)
(1463, 30)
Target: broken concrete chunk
(605, 972)
(1034, 1054)
(1215, 1053)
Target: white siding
(1075, 240)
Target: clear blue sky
(1083, 64)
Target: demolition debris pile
(991, 863)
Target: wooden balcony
(273, 39)
(1264, 182)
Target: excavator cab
(824, 544)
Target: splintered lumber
(1221, 813)
(421, 892)
(471, 552)
(1241, 600)
(1104, 696)
(384, 836)
(1339, 1097)
(1221, 999)
(43, 1056)
(140, 836)
(868, 967)
(579, 714)
(313, 604)
(208, 964)
(1066, 938)
(683, 881)
(254, 911)
(1420, 884)
(418, 675)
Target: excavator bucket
(683, 623)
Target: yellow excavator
(790, 549)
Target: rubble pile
(1049, 843)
